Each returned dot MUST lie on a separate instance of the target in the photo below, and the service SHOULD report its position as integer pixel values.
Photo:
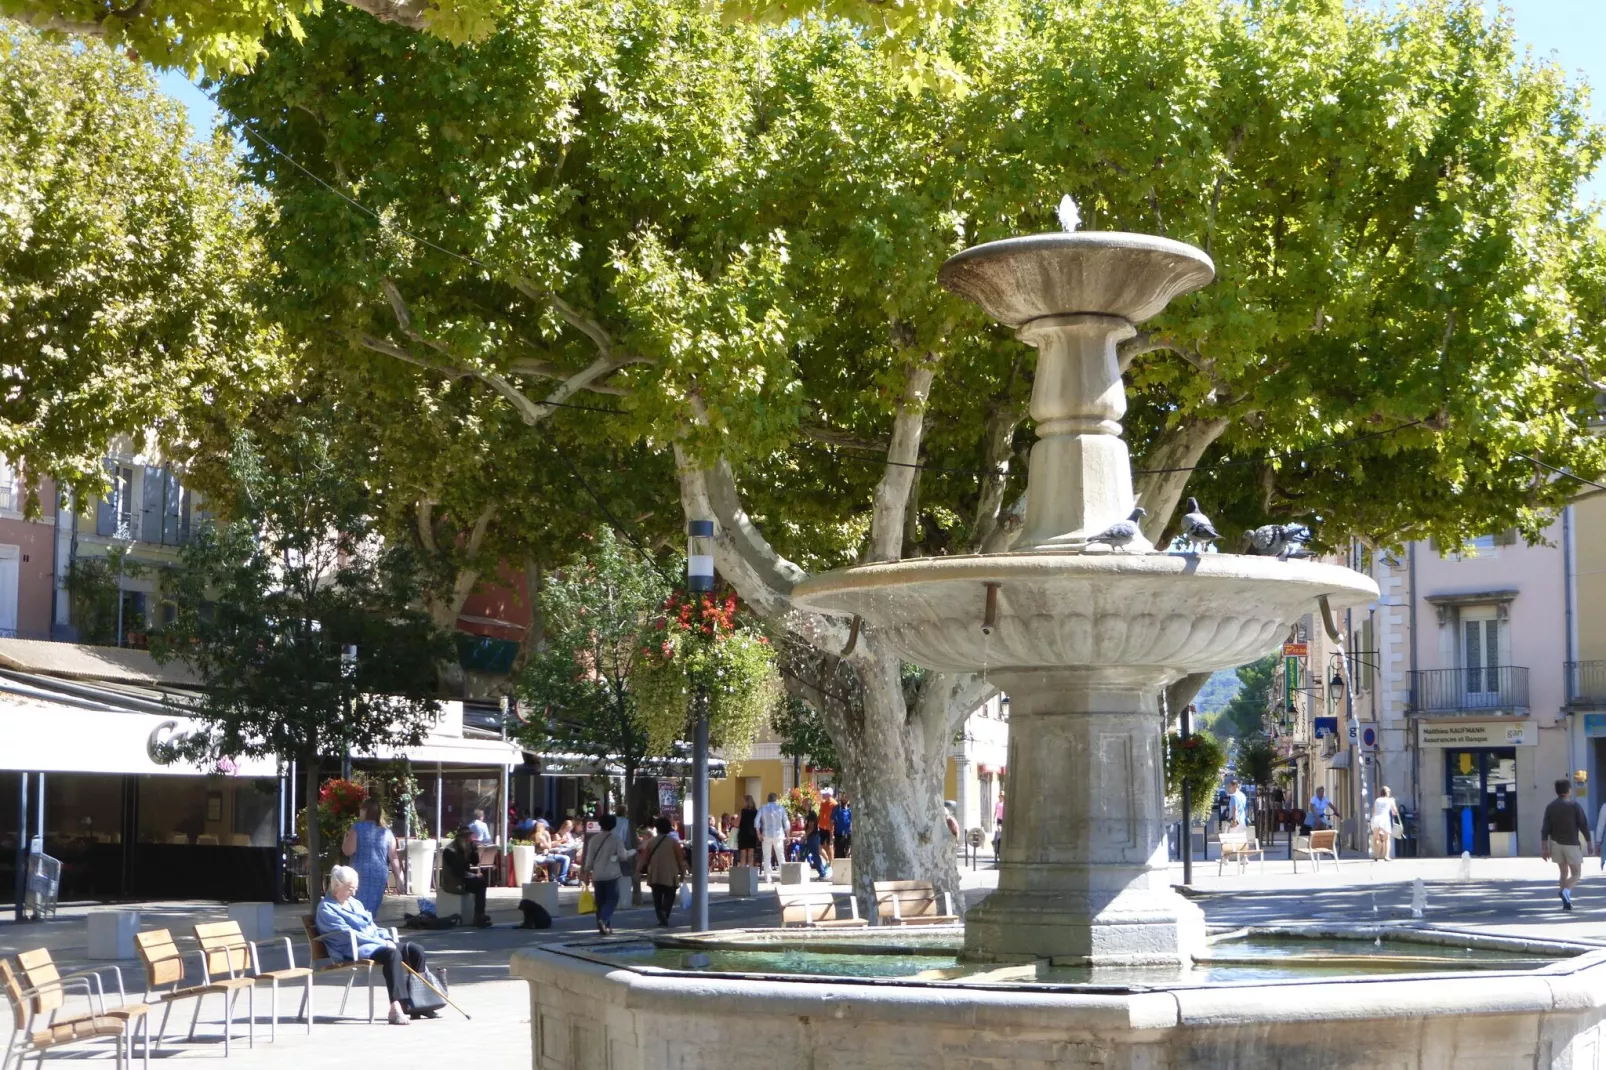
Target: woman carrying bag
(601, 867)
(663, 863)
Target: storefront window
(460, 795)
(207, 811)
(1482, 786)
(84, 829)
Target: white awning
(51, 737)
(450, 750)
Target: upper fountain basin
(1164, 614)
(1108, 273)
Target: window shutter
(172, 510)
(150, 508)
(1508, 537)
(106, 506)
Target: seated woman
(341, 913)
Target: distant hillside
(1216, 693)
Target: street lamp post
(700, 580)
(348, 669)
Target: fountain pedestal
(1082, 878)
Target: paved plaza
(1512, 896)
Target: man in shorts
(1564, 836)
(827, 823)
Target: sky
(1573, 32)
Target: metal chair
(164, 968)
(318, 951)
(39, 972)
(30, 1036)
(225, 950)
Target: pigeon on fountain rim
(1122, 533)
(1197, 528)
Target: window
(1481, 650)
(10, 499)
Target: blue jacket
(842, 819)
(335, 920)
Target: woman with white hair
(342, 917)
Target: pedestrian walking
(372, 850)
(747, 832)
(601, 864)
(1237, 805)
(663, 863)
(772, 833)
(826, 824)
(842, 822)
(1564, 835)
(1385, 814)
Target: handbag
(420, 996)
(588, 901)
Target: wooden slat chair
(816, 908)
(226, 952)
(1239, 845)
(164, 983)
(318, 951)
(1320, 842)
(913, 903)
(32, 1037)
(38, 971)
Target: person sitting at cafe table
(461, 876)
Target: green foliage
(268, 600)
(803, 733)
(92, 593)
(127, 266)
(1216, 693)
(1198, 762)
(1244, 715)
(698, 649)
(580, 686)
(1254, 760)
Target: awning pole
(439, 790)
(22, 843)
(699, 862)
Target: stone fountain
(1083, 956)
(1081, 638)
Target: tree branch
(997, 449)
(892, 492)
(580, 321)
(408, 13)
(1170, 465)
(836, 436)
(541, 369)
(426, 524)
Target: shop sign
(1477, 734)
(1326, 726)
(1296, 650)
(1595, 725)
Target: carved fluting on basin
(1169, 645)
(1169, 613)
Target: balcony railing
(1501, 688)
(1586, 683)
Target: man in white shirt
(479, 829)
(1321, 812)
(772, 825)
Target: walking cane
(438, 992)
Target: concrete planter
(543, 894)
(420, 867)
(523, 863)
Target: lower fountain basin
(1170, 614)
(1330, 997)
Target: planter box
(542, 893)
(420, 867)
(256, 920)
(744, 881)
(842, 871)
(793, 873)
(523, 863)
(111, 933)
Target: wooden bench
(816, 908)
(50, 987)
(913, 903)
(318, 951)
(1240, 845)
(164, 969)
(31, 1036)
(226, 952)
(1319, 842)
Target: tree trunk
(1167, 468)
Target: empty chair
(226, 952)
(164, 983)
(34, 1034)
(50, 985)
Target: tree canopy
(1244, 714)
(728, 238)
(127, 256)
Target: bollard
(1419, 898)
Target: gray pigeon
(1122, 533)
(1277, 540)
(1197, 529)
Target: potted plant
(523, 861)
